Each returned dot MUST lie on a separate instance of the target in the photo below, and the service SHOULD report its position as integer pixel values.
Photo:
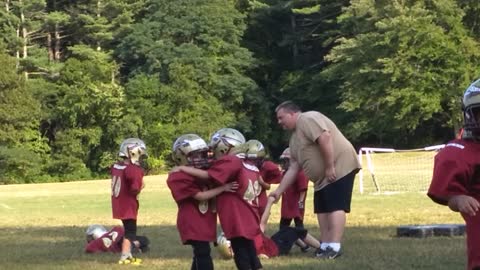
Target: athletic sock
(335, 246)
(323, 246)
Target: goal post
(389, 170)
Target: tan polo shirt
(306, 151)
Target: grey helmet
(94, 232)
(224, 140)
(133, 149)
(186, 146)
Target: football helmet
(252, 150)
(285, 159)
(133, 149)
(471, 110)
(94, 232)
(224, 247)
(191, 150)
(224, 140)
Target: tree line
(80, 76)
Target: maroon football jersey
(265, 245)
(237, 211)
(271, 174)
(291, 197)
(456, 171)
(127, 180)
(196, 220)
(110, 241)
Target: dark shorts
(336, 196)
(286, 237)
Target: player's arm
(266, 213)
(288, 179)
(197, 173)
(301, 200)
(464, 204)
(325, 144)
(208, 194)
(265, 185)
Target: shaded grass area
(43, 227)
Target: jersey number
(116, 185)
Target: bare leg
(324, 227)
(336, 226)
(311, 241)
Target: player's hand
(301, 205)
(465, 204)
(230, 187)
(330, 174)
(274, 194)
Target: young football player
(456, 174)
(101, 240)
(127, 182)
(282, 241)
(197, 217)
(270, 172)
(238, 212)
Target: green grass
(42, 227)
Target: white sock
(125, 256)
(335, 246)
(323, 246)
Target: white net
(387, 170)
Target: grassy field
(42, 227)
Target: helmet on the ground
(133, 149)
(224, 140)
(94, 232)
(224, 247)
(471, 110)
(191, 150)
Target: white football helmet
(285, 159)
(224, 247)
(133, 149)
(94, 232)
(224, 140)
(191, 150)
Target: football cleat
(130, 261)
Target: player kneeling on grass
(456, 174)
(237, 211)
(282, 241)
(127, 182)
(101, 240)
(197, 217)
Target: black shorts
(335, 196)
(286, 237)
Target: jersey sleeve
(271, 173)
(182, 186)
(302, 181)
(225, 169)
(134, 176)
(449, 178)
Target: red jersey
(456, 171)
(110, 241)
(127, 181)
(291, 197)
(271, 174)
(237, 211)
(196, 220)
(265, 245)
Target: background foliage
(80, 76)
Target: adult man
(330, 161)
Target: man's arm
(325, 144)
(266, 213)
(287, 180)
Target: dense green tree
(408, 62)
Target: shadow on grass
(364, 248)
